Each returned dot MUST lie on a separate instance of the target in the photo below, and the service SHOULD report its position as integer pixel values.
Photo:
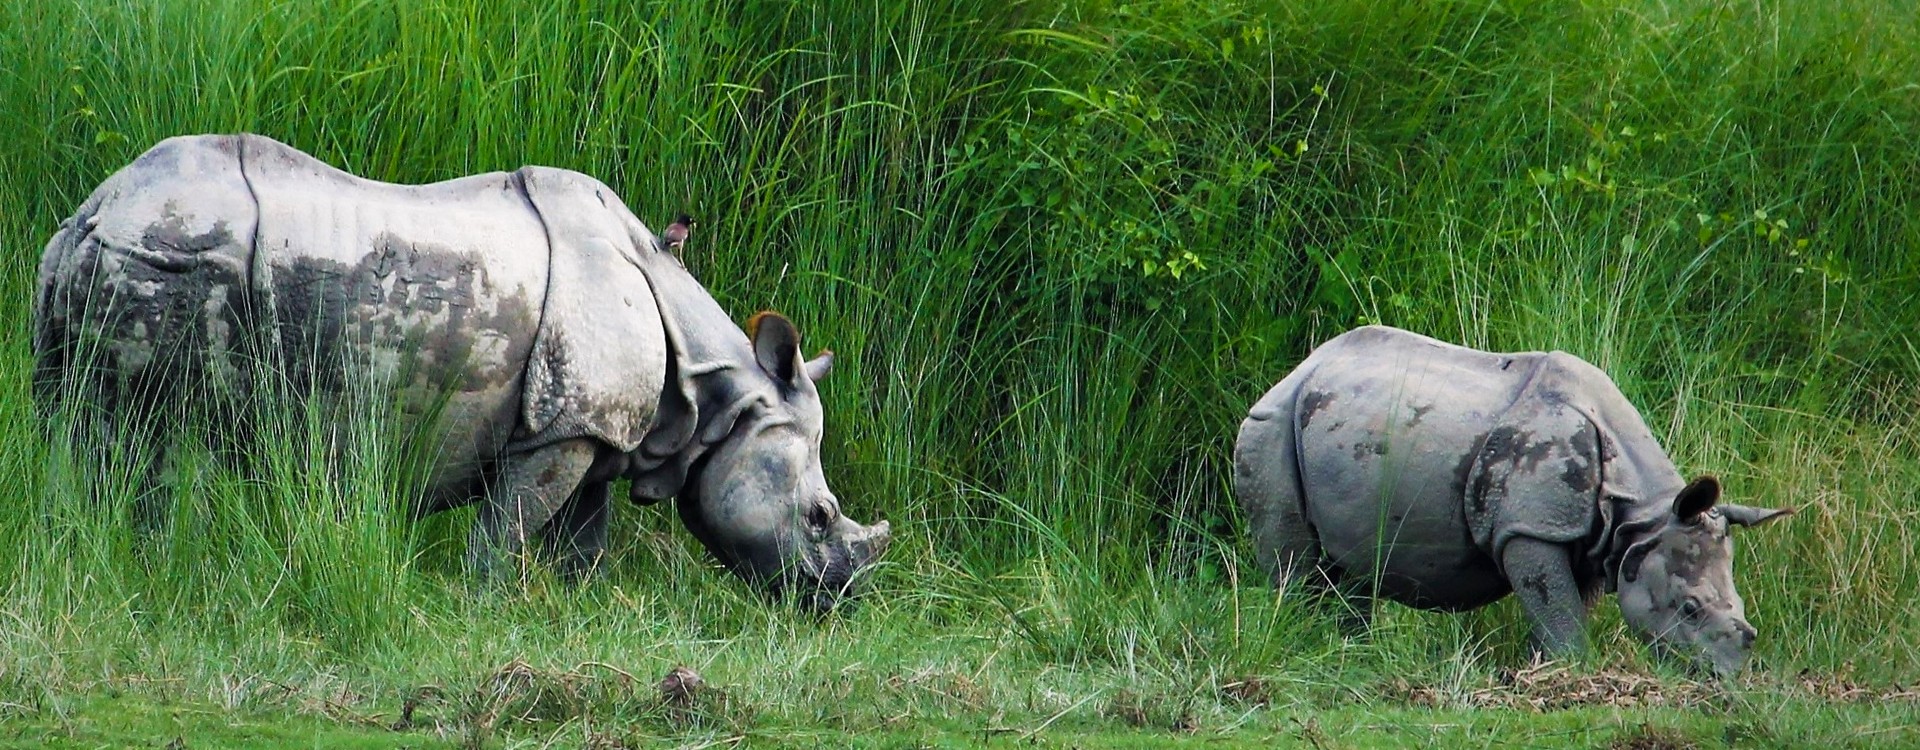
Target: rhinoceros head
(758, 499)
(1676, 580)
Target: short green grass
(119, 721)
(1059, 247)
(102, 720)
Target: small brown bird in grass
(678, 231)
(680, 686)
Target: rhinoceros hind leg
(529, 489)
(152, 502)
(576, 539)
(1266, 480)
(1542, 576)
(1355, 607)
(118, 460)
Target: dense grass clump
(1059, 247)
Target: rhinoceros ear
(1696, 498)
(1741, 515)
(776, 346)
(820, 365)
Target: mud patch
(433, 311)
(173, 247)
(150, 334)
(1537, 584)
(1311, 403)
(1419, 413)
(1578, 476)
(1511, 446)
(1463, 473)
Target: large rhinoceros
(556, 341)
(1394, 465)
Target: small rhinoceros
(556, 341)
(1394, 465)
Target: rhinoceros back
(434, 289)
(510, 309)
(1418, 460)
(232, 261)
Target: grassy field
(1059, 247)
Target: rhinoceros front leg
(1542, 576)
(577, 537)
(529, 489)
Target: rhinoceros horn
(1741, 515)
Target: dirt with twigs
(1553, 686)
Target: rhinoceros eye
(821, 515)
(1690, 608)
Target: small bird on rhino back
(1395, 465)
(553, 338)
(678, 232)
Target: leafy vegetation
(1059, 248)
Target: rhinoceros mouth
(817, 582)
(821, 585)
(1695, 659)
(815, 597)
(820, 573)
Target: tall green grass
(1060, 248)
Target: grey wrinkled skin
(539, 327)
(1392, 465)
